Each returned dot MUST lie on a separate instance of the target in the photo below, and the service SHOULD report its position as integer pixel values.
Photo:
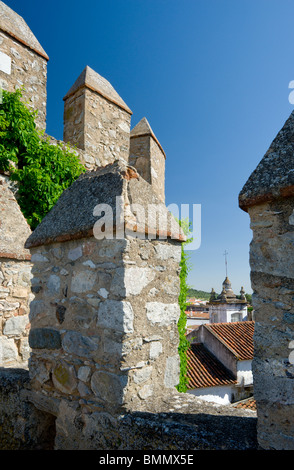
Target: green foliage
(183, 343)
(43, 170)
(198, 294)
(249, 298)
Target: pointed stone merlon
(268, 197)
(148, 157)
(97, 120)
(23, 62)
(104, 318)
(15, 275)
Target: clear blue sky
(210, 76)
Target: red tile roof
(249, 404)
(204, 370)
(236, 336)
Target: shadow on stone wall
(22, 426)
(199, 431)
(166, 431)
(203, 427)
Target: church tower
(226, 307)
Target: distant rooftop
(205, 370)
(14, 25)
(248, 404)
(227, 295)
(95, 82)
(236, 336)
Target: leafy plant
(43, 170)
(183, 343)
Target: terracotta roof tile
(236, 336)
(204, 370)
(249, 404)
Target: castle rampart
(103, 360)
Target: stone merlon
(142, 129)
(73, 215)
(148, 157)
(95, 82)
(274, 176)
(97, 120)
(16, 27)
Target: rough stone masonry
(104, 317)
(15, 280)
(97, 120)
(103, 312)
(25, 60)
(268, 197)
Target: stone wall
(268, 197)
(85, 158)
(107, 322)
(181, 423)
(22, 425)
(104, 318)
(272, 278)
(15, 297)
(15, 280)
(28, 70)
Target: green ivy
(43, 170)
(183, 342)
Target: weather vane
(226, 262)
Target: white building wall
(221, 395)
(244, 372)
(191, 322)
(223, 313)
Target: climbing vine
(183, 342)
(41, 169)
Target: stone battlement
(89, 300)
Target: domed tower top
(227, 287)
